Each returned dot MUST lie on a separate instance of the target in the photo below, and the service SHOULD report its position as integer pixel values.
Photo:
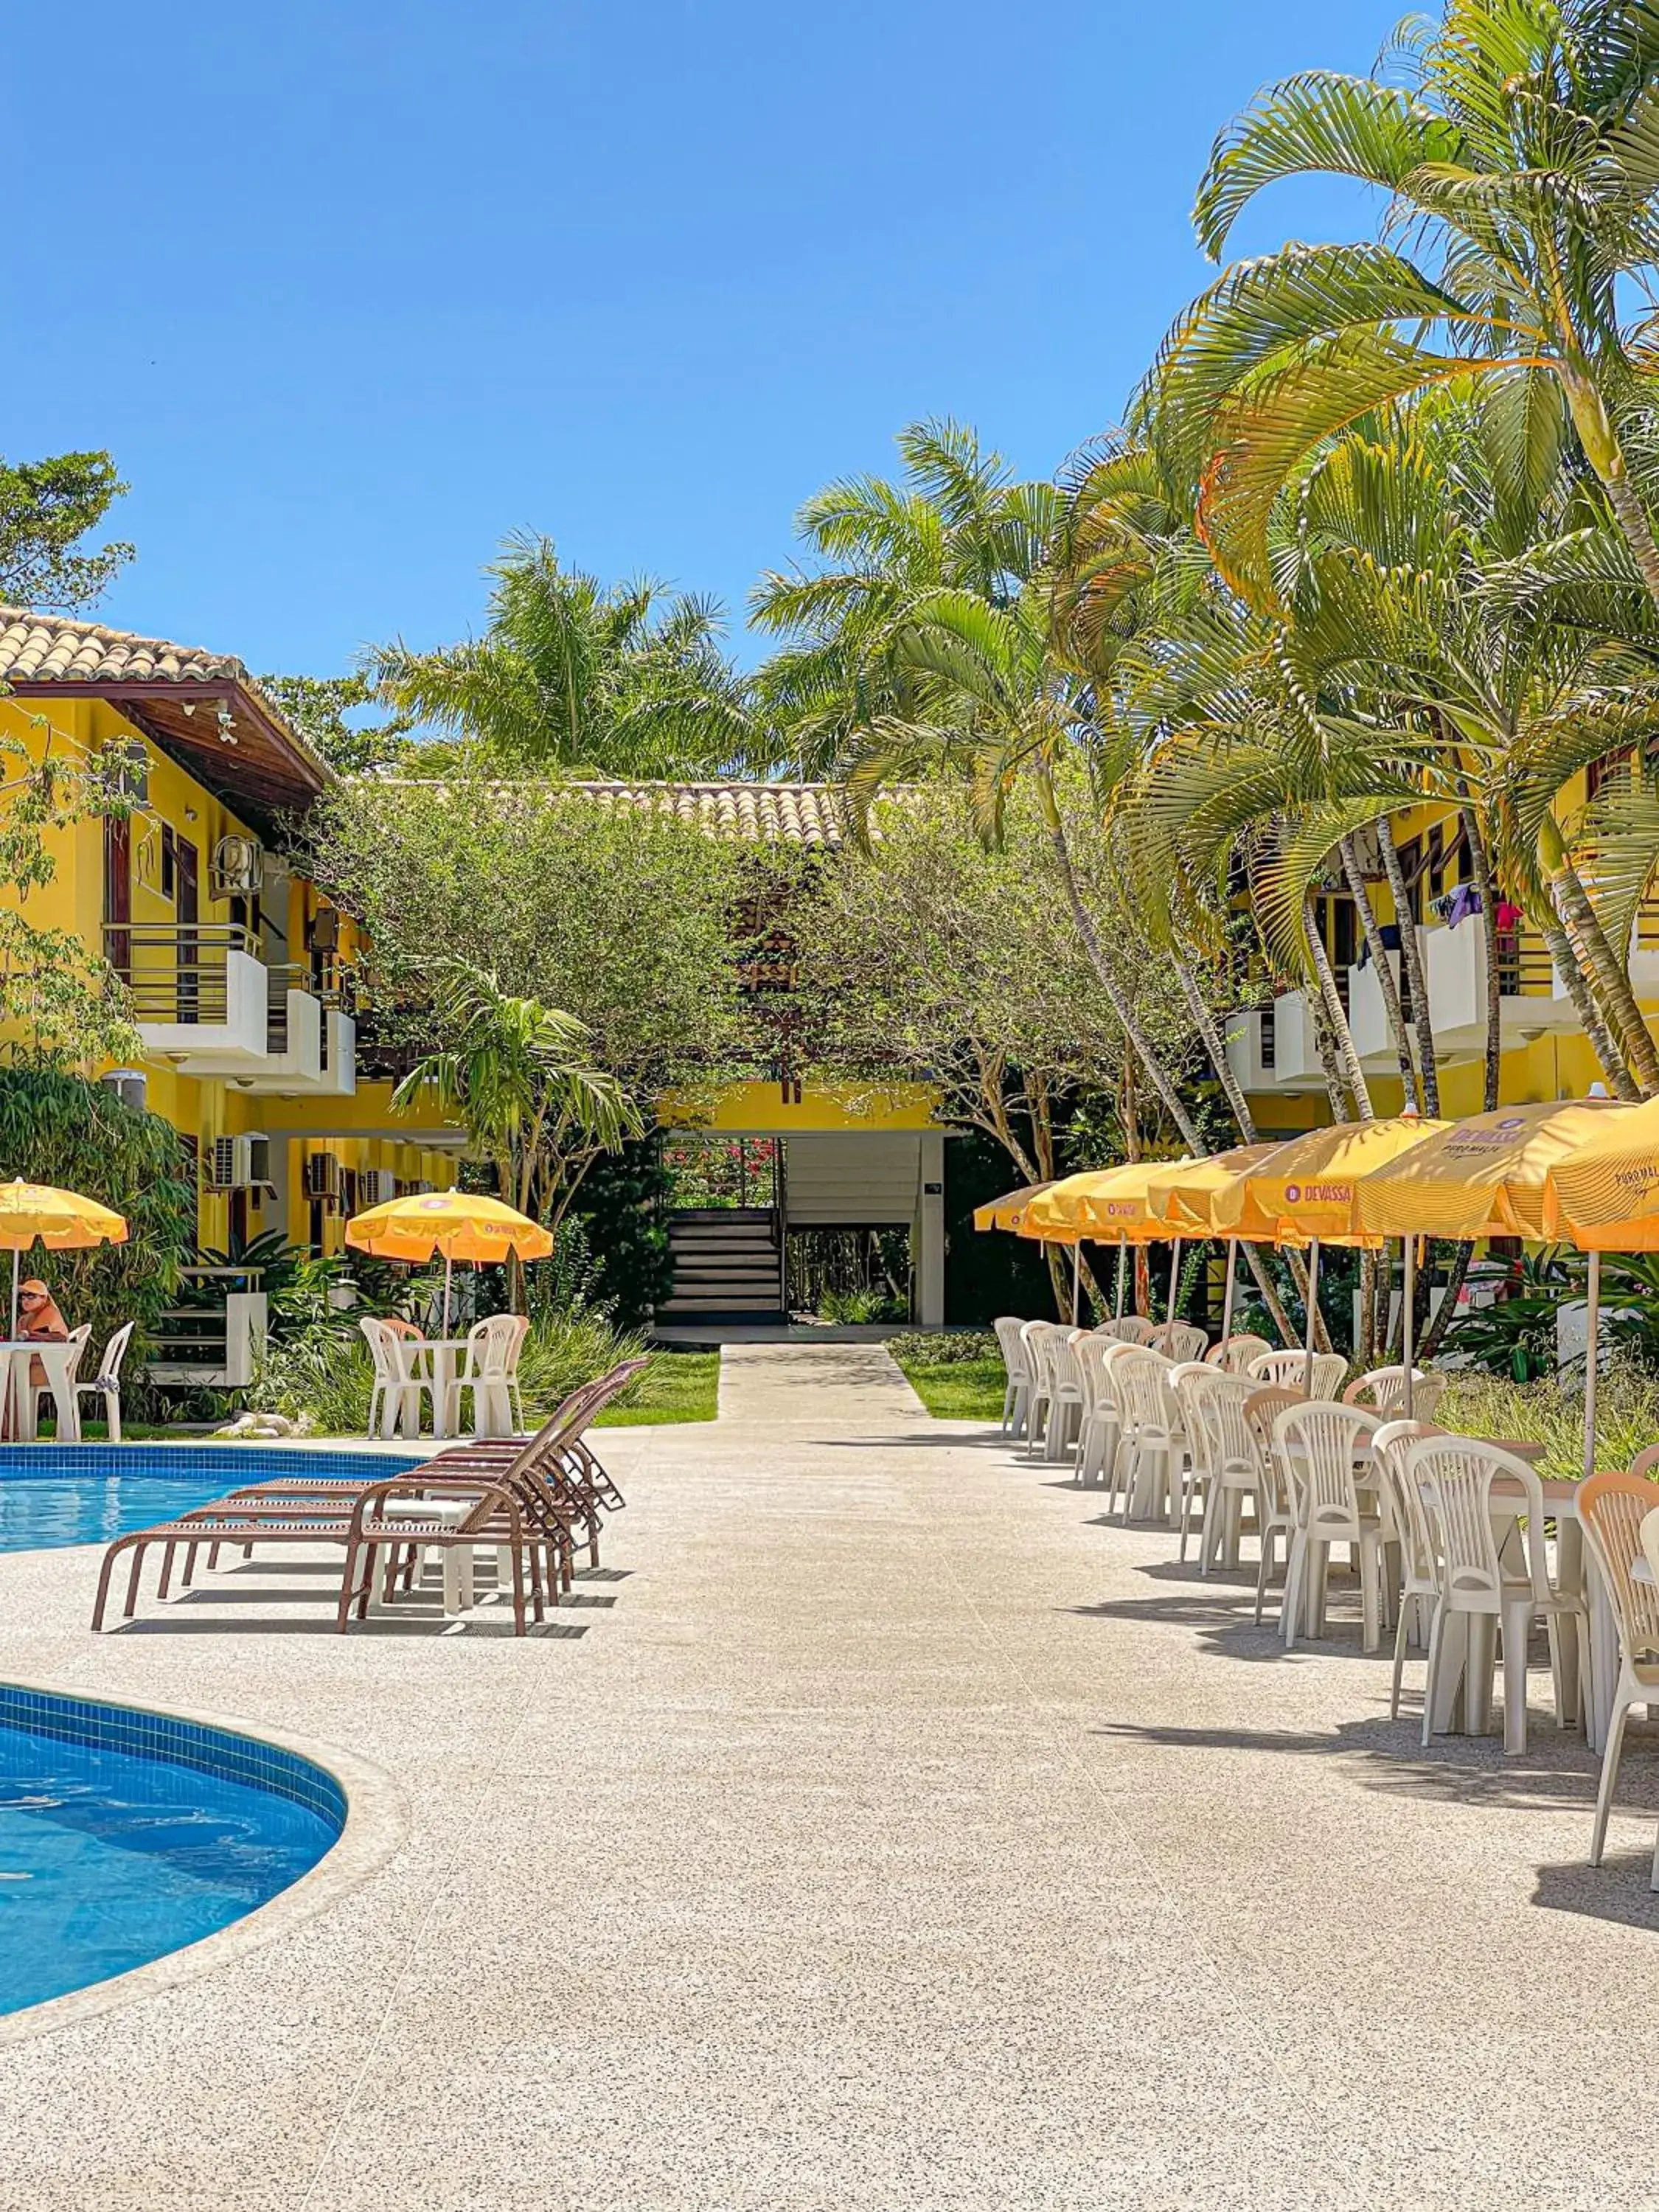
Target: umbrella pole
(1592, 1347)
(1227, 1294)
(14, 1256)
(448, 1266)
(1122, 1260)
(1312, 1307)
(1077, 1284)
(1409, 1292)
(1174, 1278)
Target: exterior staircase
(728, 1265)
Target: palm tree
(516, 1077)
(627, 680)
(958, 520)
(1521, 160)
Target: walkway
(895, 1836)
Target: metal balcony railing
(176, 972)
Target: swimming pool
(56, 1494)
(125, 1835)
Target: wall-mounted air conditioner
(240, 1164)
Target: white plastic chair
(394, 1403)
(1034, 1336)
(62, 1388)
(1180, 1340)
(1187, 1381)
(1130, 1328)
(1102, 1425)
(1017, 1398)
(1317, 1441)
(1153, 1445)
(1234, 1355)
(1288, 1370)
(1406, 1529)
(489, 1371)
(1275, 1509)
(108, 1384)
(1620, 1516)
(1456, 1476)
(1383, 1390)
(1214, 1405)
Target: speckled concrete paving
(893, 1834)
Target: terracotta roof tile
(783, 813)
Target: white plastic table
(18, 1400)
(437, 1360)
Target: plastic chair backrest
(1067, 1375)
(1134, 1328)
(1233, 1356)
(1180, 1340)
(1383, 1390)
(1288, 1370)
(1455, 1476)
(1316, 1440)
(1011, 1346)
(109, 1374)
(1035, 1336)
(1613, 1511)
(1093, 1353)
(1405, 1515)
(1233, 1444)
(1140, 1379)
(1262, 1407)
(380, 1340)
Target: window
(169, 853)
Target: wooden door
(186, 895)
(118, 894)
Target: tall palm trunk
(1353, 1076)
(1608, 975)
(1481, 861)
(1411, 1088)
(1606, 456)
(1570, 968)
(1215, 1046)
(1411, 963)
(1140, 1044)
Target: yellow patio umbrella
(1103, 1204)
(1008, 1210)
(1306, 1192)
(62, 1221)
(1182, 1193)
(1604, 1193)
(462, 1224)
(1488, 1176)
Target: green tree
(576, 677)
(318, 706)
(1521, 160)
(515, 1073)
(47, 507)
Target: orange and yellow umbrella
(1306, 1191)
(461, 1224)
(1106, 1203)
(1008, 1210)
(35, 1213)
(1485, 1176)
(1604, 1193)
(1182, 1193)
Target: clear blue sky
(351, 290)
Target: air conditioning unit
(131, 1086)
(237, 870)
(322, 1176)
(376, 1186)
(240, 1164)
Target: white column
(930, 1232)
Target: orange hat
(33, 1282)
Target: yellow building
(242, 974)
(1545, 1053)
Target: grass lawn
(678, 1386)
(959, 1390)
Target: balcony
(1295, 1062)
(204, 1000)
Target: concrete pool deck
(881, 1830)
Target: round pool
(125, 1835)
(56, 1494)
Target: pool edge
(376, 1826)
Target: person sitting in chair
(39, 1320)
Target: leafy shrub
(1483, 1404)
(860, 1308)
(59, 1128)
(949, 1348)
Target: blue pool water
(56, 1494)
(125, 1835)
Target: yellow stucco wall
(759, 1109)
